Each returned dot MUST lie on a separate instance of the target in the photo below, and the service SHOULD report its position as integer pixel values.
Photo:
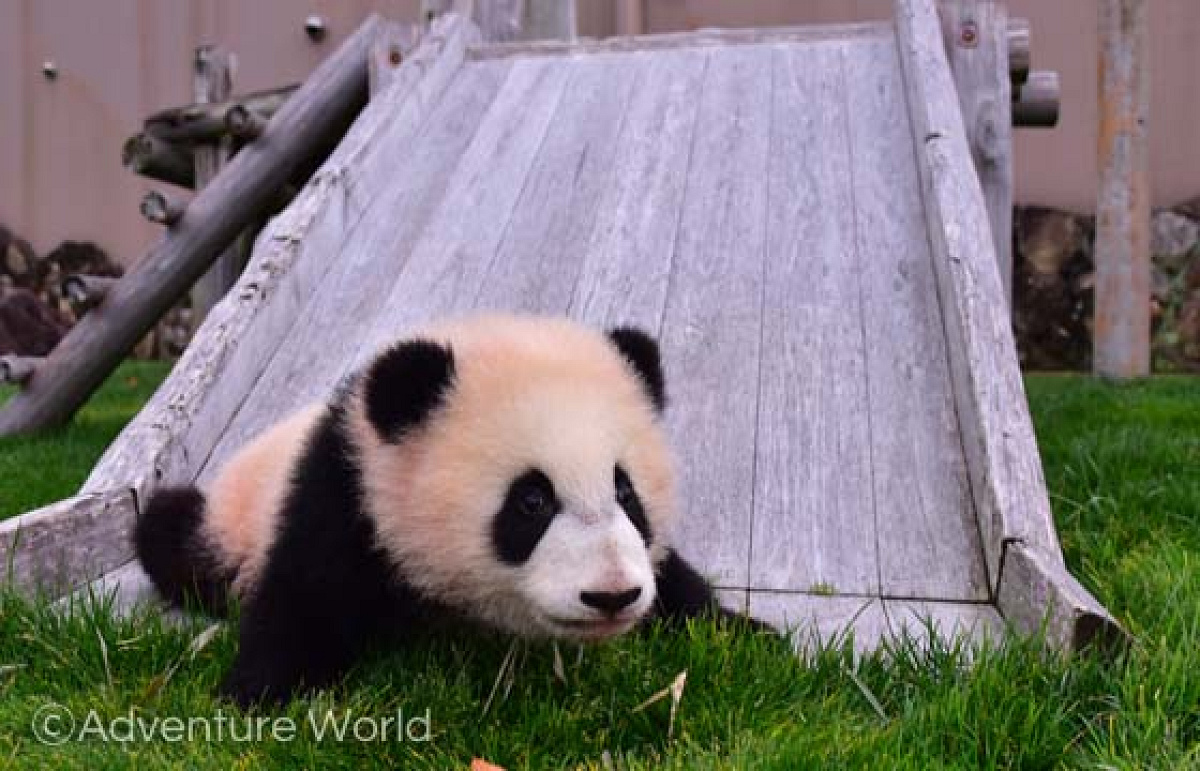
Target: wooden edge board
(174, 433)
(816, 621)
(697, 38)
(1040, 596)
(55, 548)
(1007, 484)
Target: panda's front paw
(251, 686)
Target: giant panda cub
(508, 470)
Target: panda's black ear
(405, 384)
(641, 350)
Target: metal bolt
(314, 27)
(395, 55)
(49, 70)
(968, 34)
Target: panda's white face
(539, 495)
(582, 556)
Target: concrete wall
(118, 60)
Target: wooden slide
(794, 212)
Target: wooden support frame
(1024, 560)
(322, 108)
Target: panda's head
(516, 469)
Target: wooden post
(213, 82)
(631, 17)
(1122, 324)
(977, 45)
(306, 126)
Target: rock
(27, 326)
(1173, 236)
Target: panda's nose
(611, 602)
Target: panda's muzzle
(611, 603)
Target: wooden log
(316, 115)
(1038, 103)
(204, 122)
(1020, 47)
(153, 157)
(18, 370)
(85, 292)
(977, 45)
(212, 83)
(1122, 325)
(509, 20)
(243, 124)
(58, 547)
(161, 209)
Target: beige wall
(60, 173)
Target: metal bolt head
(314, 27)
(968, 34)
(49, 70)
(395, 55)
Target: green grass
(1122, 464)
(41, 470)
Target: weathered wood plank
(56, 548)
(703, 38)
(451, 262)
(814, 518)
(816, 620)
(393, 44)
(710, 328)
(324, 337)
(178, 428)
(1002, 456)
(128, 586)
(928, 534)
(627, 260)
(538, 264)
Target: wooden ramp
(792, 211)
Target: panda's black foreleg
(683, 593)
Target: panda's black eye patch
(529, 507)
(628, 499)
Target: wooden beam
(318, 113)
(204, 122)
(213, 83)
(153, 157)
(977, 44)
(510, 20)
(395, 42)
(58, 547)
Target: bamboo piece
(307, 124)
(1122, 324)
